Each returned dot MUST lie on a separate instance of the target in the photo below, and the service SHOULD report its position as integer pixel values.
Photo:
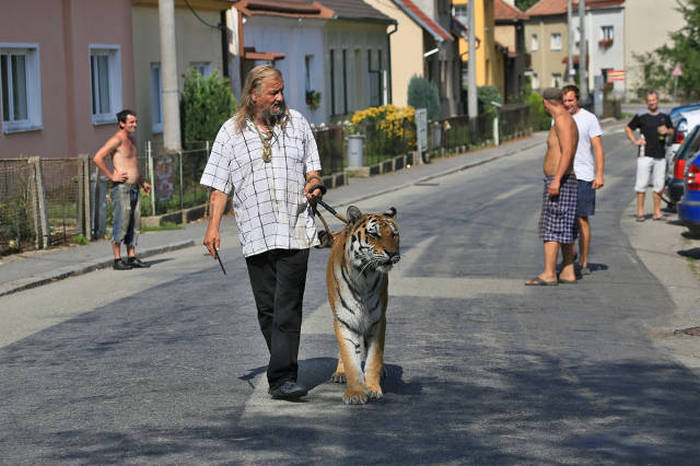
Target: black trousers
(278, 278)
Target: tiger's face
(373, 242)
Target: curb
(86, 267)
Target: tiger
(361, 256)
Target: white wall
(647, 27)
(613, 57)
(295, 38)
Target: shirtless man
(126, 195)
(558, 218)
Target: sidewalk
(23, 271)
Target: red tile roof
(437, 31)
(504, 12)
(288, 8)
(558, 7)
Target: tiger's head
(372, 240)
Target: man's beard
(272, 115)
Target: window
(20, 87)
(308, 61)
(534, 43)
(535, 81)
(339, 88)
(156, 99)
(106, 83)
(375, 78)
(203, 68)
(461, 13)
(608, 32)
(556, 41)
(556, 80)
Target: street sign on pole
(677, 71)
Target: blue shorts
(585, 206)
(126, 204)
(558, 219)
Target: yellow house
(489, 54)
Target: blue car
(689, 206)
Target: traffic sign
(677, 71)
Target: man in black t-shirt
(654, 126)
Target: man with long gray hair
(266, 156)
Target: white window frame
(113, 52)
(461, 12)
(555, 41)
(156, 98)
(204, 66)
(557, 80)
(33, 122)
(534, 42)
(603, 34)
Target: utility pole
(168, 70)
(472, 108)
(570, 40)
(582, 58)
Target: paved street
(166, 365)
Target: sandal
(640, 218)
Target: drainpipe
(388, 42)
(224, 44)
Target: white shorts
(649, 166)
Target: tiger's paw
(351, 397)
(375, 394)
(338, 377)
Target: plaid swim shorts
(558, 217)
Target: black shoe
(288, 390)
(137, 263)
(119, 265)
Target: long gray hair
(253, 84)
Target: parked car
(689, 206)
(674, 114)
(684, 122)
(675, 174)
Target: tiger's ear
(391, 212)
(353, 214)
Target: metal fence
(42, 201)
(49, 201)
(514, 121)
(331, 147)
(174, 179)
(387, 139)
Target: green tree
(424, 94)
(205, 104)
(682, 49)
(525, 4)
(485, 95)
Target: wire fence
(17, 210)
(49, 201)
(40, 202)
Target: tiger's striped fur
(357, 276)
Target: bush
(540, 119)
(485, 95)
(205, 104)
(424, 94)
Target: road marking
(513, 192)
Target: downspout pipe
(389, 77)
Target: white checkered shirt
(268, 198)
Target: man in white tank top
(589, 162)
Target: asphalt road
(166, 365)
